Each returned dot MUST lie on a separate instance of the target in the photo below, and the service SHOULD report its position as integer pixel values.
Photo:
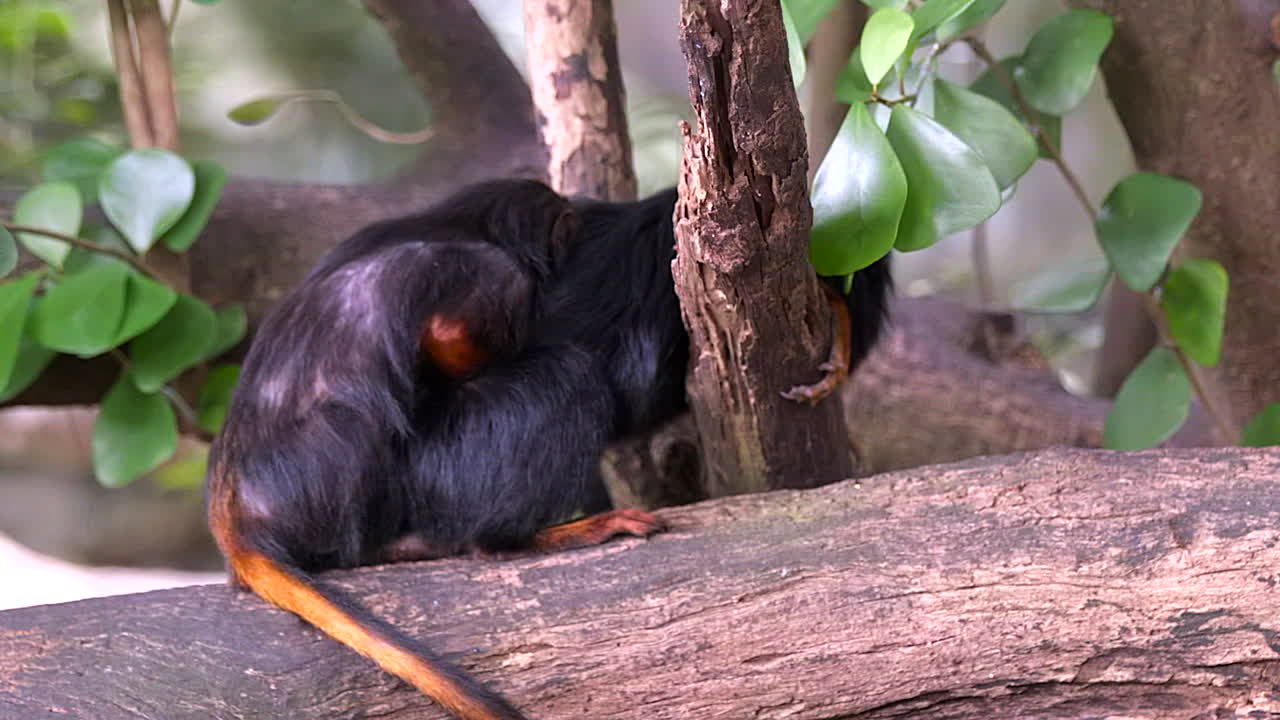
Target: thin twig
(132, 100)
(89, 245)
(1151, 302)
(173, 16)
(376, 132)
(157, 72)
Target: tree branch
(579, 97)
(1068, 584)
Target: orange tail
(290, 590)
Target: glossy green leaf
(15, 297)
(185, 474)
(977, 13)
(80, 162)
(949, 187)
(1264, 429)
(852, 85)
(145, 192)
(215, 397)
(795, 47)
(884, 38)
(1152, 403)
(145, 303)
(806, 14)
(997, 135)
(1067, 287)
(1194, 299)
(255, 112)
(858, 195)
(1141, 222)
(172, 345)
(231, 324)
(1061, 60)
(8, 252)
(992, 84)
(135, 433)
(51, 206)
(210, 179)
(935, 12)
(32, 359)
(80, 315)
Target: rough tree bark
(758, 323)
(1069, 584)
(577, 89)
(1192, 84)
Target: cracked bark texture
(1192, 83)
(1068, 584)
(757, 321)
(577, 89)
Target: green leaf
(255, 112)
(1141, 222)
(51, 206)
(858, 195)
(1061, 60)
(1068, 287)
(231, 325)
(185, 474)
(884, 38)
(795, 47)
(134, 433)
(1264, 429)
(81, 162)
(210, 179)
(145, 303)
(15, 297)
(1194, 299)
(145, 192)
(8, 252)
(935, 12)
(32, 359)
(1151, 405)
(174, 344)
(852, 86)
(806, 14)
(979, 12)
(992, 84)
(949, 187)
(215, 397)
(80, 315)
(997, 135)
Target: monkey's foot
(598, 528)
(817, 392)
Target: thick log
(1066, 584)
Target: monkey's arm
(836, 368)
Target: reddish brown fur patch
(598, 528)
(450, 346)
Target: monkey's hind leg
(596, 529)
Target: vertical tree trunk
(1202, 105)
(757, 320)
(579, 97)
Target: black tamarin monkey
(446, 382)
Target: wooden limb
(133, 99)
(579, 97)
(747, 292)
(157, 72)
(1066, 584)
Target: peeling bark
(581, 105)
(1067, 584)
(757, 321)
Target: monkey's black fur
(343, 439)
